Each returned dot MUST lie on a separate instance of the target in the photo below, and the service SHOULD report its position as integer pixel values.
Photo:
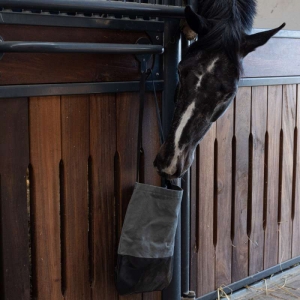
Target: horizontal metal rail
(253, 279)
(64, 20)
(51, 47)
(96, 7)
(53, 89)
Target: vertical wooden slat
(273, 128)
(127, 128)
(14, 160)
(288, 125)
(205, 214)
(102, 205)
(258, 129)
(242, 131)
(224, 194)
(296, 223)
(151, 147)
(45, 155)
(75, 152)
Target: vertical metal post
(186, 212)
(171, 60)
(185, 235)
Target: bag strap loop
(140, 150)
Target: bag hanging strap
(159, 122)
(140, 150)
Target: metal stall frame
(37, 13)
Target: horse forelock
(229, 20)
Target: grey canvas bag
(146, 247)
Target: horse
(209, 73)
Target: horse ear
(251, 42)
(196, 22)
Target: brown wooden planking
(45, 155)
(151, 145)
(224, 194)
(127, 129)
(205, 214)
(296, 222)
(242, 131)
(288, 125)
(194, 224)
(102, 206)
(271, 222)
(65, 68)
(279, 57)
(258, 130)
(75, 152)
(14, 160)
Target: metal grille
(177, 3)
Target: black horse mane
(228, 20)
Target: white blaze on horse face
(171, 169)
(199, 82)
(210, 68)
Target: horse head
(208, 81)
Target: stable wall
(272, 13)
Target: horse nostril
(157, 163)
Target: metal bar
(171, 60)
(269, 81)
(103, 7)
(252, 279)
(15, 91)
(185, 217)
(185, 235)
(50, 47)
(40, 19)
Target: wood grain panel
(60, 68)
(279, 57)
(242, 131)
(224, 197)
(45, 155)
(271, 222)
(296, 222)
(14, 160)
(127, 129)
(206, 253)
(258, 130)
(288, 125)
(75, 152)
(151, 145)
(102, 206)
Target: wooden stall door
(247, 198)
(59, 238)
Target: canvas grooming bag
(146, 247)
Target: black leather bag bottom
(143, 274)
